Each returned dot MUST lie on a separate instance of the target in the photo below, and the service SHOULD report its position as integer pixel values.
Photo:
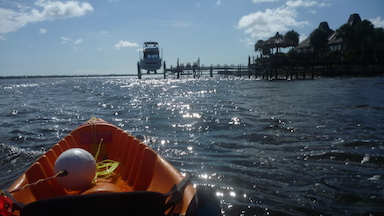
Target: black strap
(112, 204)
(176, 193)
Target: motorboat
(151, 60)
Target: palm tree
(319, 39)
(348, 34)
(364, 31)
(260, 46)
(377, 40)
(293, 36)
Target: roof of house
(306, 43)
(278, 41)
(353, 20)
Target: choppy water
(303, 147)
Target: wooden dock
(196, 70)
(274, 68)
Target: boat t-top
(150, 60)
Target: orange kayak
(130, 178)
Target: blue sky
(50, 37)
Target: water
(302, 147)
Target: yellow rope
(98, 149)
(105, 168)
(94, 136)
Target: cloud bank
(13, 19)
(263, 24)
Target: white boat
(150, 60)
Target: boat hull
(150, 64)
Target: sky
(76, 37)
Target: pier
(280, 66)
(196, 70)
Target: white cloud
(59, 9)
(77, 49)
(377, 22)
(301, 3)
(125, 44)
(75, 43)
(14, 19)
(65, 40)
(218, 2)
(248, 42)
(265, 24)
(312, 12)
(42, 31)
(302, 37)
(305, 3)
(79, 41)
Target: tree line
(362, 38)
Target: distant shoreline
(65, 76)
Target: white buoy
(80, 168)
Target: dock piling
(138, 70)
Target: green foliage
(266, 51)
(335, 53)
(350, 55)
(346, 32)
(377, 40)
(292, 52)
(319, 39)
(259, 47)
(378, 35)
(361, 37)
(364, 30)
(293, 36)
